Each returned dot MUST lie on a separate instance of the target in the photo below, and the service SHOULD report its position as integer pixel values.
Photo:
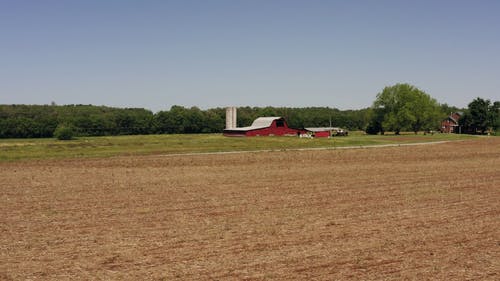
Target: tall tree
(494, 115)
(478, 109)
(404, 107)
(480, 116)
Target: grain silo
(231, 120)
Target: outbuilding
(319, 132)
(325, 132)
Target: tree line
(41, 121)
(401, 107)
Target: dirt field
(397, 213)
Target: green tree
(214, 120)
(64, 132)
(480, 116)
(404, 107)
(162, 123)
(478, 110)
(494, 115)
(375, 124)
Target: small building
(325, 132)
(319, 132)
(263, 126)
(450, 124)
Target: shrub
(63, 132)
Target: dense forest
(35, 121)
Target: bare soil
(395, 213)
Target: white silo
(231, 117)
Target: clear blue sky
(209, 53)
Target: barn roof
(259, 123)
(453, 119)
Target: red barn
(263, 126)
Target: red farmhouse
(450, 124)
(263, 126)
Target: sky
(214, 53)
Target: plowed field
(395, 213)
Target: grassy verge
(20, 149)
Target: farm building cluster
(275, 126)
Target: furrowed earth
(393, 213)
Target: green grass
(25, 149)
